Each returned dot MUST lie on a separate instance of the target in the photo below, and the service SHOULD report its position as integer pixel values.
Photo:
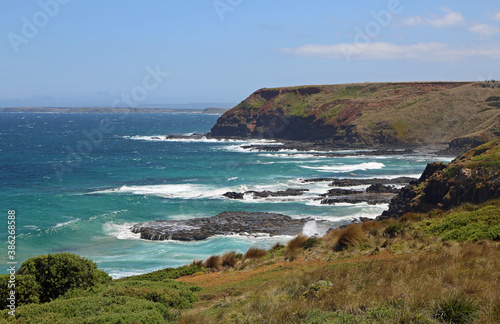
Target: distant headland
(113, 110)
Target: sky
(129, 53)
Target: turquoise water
(78, 182)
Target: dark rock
(380, 188)
(371, 199)
(192, 136)
(430, 169)
(225, 223)
(234, 195)
(341, 192)
(375, 181)
(266, 193)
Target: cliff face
(473, 177)
(370, 114)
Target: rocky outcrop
(363, 182)
(368, 114)
(380, 188)
(226, 223)
(375, 194)
(370, 199)
(266, 193)
(471, 178)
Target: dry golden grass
(213, 262)
(229, 259)
(350, 236)
(401, 286)
(390, 272)
(197, 262)
(254, 253)
(296, 243)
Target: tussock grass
(296, 243)
(229, 259)
(198, 263)
(276, 246)
(254, 253)
(214, 262)
(456, 308)
(350, 236)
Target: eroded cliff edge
(462, 114)
(473, 177)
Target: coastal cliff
(471, 178)
(462, 114)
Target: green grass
(348, 92)
(483, 223)
(332, 113)
(167, 273)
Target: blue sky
(140, 53)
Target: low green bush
(26, 289)
(483, 223)
(46, 277)
(170, 293)
(93, 309)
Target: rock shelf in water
(225, 223)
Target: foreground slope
(417, 113)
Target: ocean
(77, 182)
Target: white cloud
(430, 52)
(497, 16)
(485, 31)
(450, 19)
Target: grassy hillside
(393, 271)
(414, 113)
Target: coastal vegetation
(440, 266)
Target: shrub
(229, 259)
(483, 223)
(27, 290)
(254, 253)
(57, 273)
(170, 293)
(213, 262)
(95, 309)
(393, 230)
(352, 235)
(456, 308)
